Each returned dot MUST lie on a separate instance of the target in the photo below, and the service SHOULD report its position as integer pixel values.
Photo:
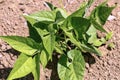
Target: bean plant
(68, 36)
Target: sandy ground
(106, 67)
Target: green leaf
(41, 28)
(75, 66)
(91, 49)
(50, 6)
(72, 37)
(109, 36)
(58, 48)
(98, 26)
(101, 13)
(25, 45)
(90, 2)
(48, 37)
(92, 35)
(62, 12)
(23, 66)
(36, 70)
(44, 58)
(97, 43)
(106, 10)
(49, 44)
(80, 24)
(78, 13)
(41, 16)
(33, 33)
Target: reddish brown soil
(12, 22)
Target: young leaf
(36, 70)
(25, 45)
(23, 66)
(97, 42)
(75, 66)
(91, 34)
(109, 36)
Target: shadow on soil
(5, 72)
(51, 65)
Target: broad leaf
(101, 13)
(47, 34)
(36, 70)
(33, 33)
(49, 44)
(78, 13)
(23, 66)
(81, 25)
(41, 16)
(91, 34)
(22, 44)
(71, 68)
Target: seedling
(56, 32)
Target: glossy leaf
(22, 44)
(74, 69)
(23, 66)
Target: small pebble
(87, 65)
(118, 14)
(1, 1)
(110, 18)
(0, 55)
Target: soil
(12, 22)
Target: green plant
(56, 32)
